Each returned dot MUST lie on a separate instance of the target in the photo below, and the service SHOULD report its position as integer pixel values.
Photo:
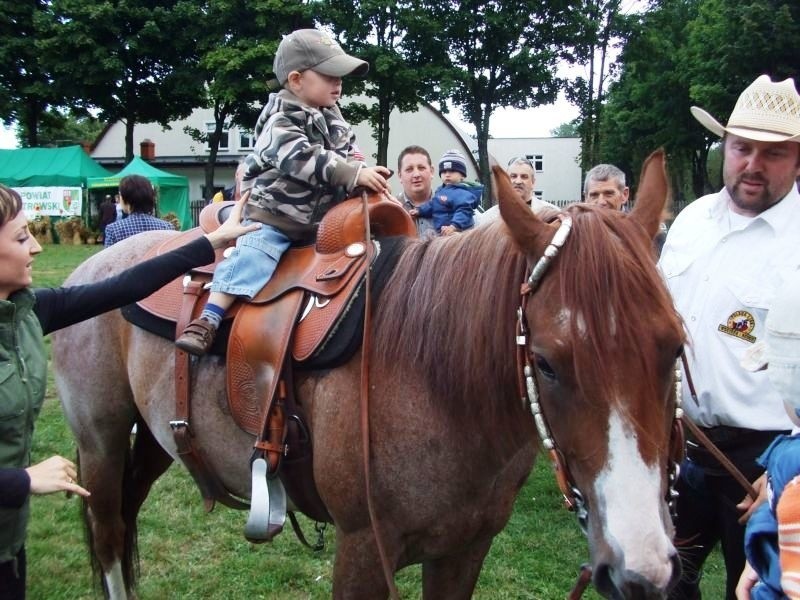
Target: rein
(529, 394)
(364, 415)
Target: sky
(7, 138)
(532, 122)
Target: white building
(558, 176)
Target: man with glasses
(523, 178)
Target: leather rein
(529, 394)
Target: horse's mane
(448, 314)
(608, 279)
(448, 311)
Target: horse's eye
(544, 367)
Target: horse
(451, 435)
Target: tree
(135, 61)
(500, 53)
(65, 128)
(378, 31)
(597, 27)
(235, 60)
(568, 129)
(25, 87)
(649, 106)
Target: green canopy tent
(42, 167)
(172, 190)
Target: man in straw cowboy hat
(724, 257)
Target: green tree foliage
(692, 52)
(648, 107)
(65, 128)
(568, 129)
(235, 62)
(25, 87)
(135, 61)
(500, 54)
(392, 38)
(598, 26)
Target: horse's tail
(129, 561)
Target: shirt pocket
(674, 264)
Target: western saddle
(298, 309)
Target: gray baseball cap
(311, 49)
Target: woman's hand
(56, 474)
(232, 228)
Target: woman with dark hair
(138, 202)
(26, 316)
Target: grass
(186, 553)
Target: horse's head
(603, 338)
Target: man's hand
(448, 230)
(748, 505)
(747, 580)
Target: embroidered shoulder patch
(739, 325)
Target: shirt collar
(779, 216)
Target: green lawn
(186, 553)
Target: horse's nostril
(675, 559)
(604, 581)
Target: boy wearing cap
(453, 203)
(303, 163)
(724, 257)
(768, 550)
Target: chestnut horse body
(451, 440)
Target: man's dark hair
(138, 193)
(413, 150)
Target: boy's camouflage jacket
(302, 164)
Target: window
(537, 160)
(246, 140)
(539, 194)
(224, 144)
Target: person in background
(604, 185)
(118, 207)
(26, 316)
(779, 352)
(523, 180)
(108, 214)
(724, 257)
(415, 172)
(452, 205)
(138, 199)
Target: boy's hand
(374, 178)
(414, 212)
(448, 230)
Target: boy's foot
(197, 337)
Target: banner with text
(51, 201)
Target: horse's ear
(653, 192)
(529, 232)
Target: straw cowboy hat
(766, 112)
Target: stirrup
(267, 505)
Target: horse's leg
(357, 571)
(453, 577)
(105, 471)
(150, 461)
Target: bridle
(529, 391)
